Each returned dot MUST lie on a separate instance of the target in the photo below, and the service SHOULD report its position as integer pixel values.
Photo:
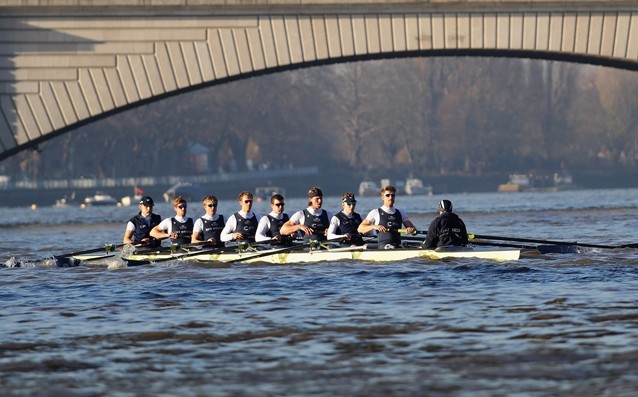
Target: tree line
(414, 116)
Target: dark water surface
(556, 324)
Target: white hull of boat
(284, 256)
(396, 255)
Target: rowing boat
(279, 256)
(284, 256)
(368, 255)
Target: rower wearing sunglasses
(178, 228)
(241, 225)
(387, 221)
(209, 227)
(344, 224)
(270, 225)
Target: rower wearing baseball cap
(344, 223)
(313, 221)
(139, 227)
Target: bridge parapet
(65, 63)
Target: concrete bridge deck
(66, 63)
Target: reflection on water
(557, 324)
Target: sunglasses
(182, 206)
(211, 205)
(248, 201)
(351, 204)
(279, 204)
(389, 194)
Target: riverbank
(333, 183)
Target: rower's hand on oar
(412, 230)
(279, 239)
(145, 241)
(237, 236)
(379, 228)
(306, 230)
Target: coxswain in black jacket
(447, 229)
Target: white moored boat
(100, 198)
(368, 188)
(415, 187)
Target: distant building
(198, 158)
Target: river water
(546, 325)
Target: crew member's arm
(227, 233)
(198, 229)
(128, 233)
(432, 237)
(464, 235)
(370, 223)
(293, 225)
(262, 228)
(162, 230)
(332, 230)
(410, 226)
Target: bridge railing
(99, 183)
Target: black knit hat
(445, 205)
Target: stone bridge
(65, 63)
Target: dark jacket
(445, 230)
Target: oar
(485, 243)
(312, 243)
(105, 248)
(203, 251)
(172, 256)
(539, 241)
(66, 260)
(634, 245)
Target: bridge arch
(62, 67)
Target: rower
(268, 229)
(344, 224)
(446, 230)
(242, 225)
(208, 228)
(138, 228)
(387, 220)
(313, 221)
(178, 228)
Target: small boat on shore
(100, 198)
(416, 187)
(368, 188)
(264, 193)
(537, 183)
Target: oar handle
(413, 233)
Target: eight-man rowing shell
(286, 256)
